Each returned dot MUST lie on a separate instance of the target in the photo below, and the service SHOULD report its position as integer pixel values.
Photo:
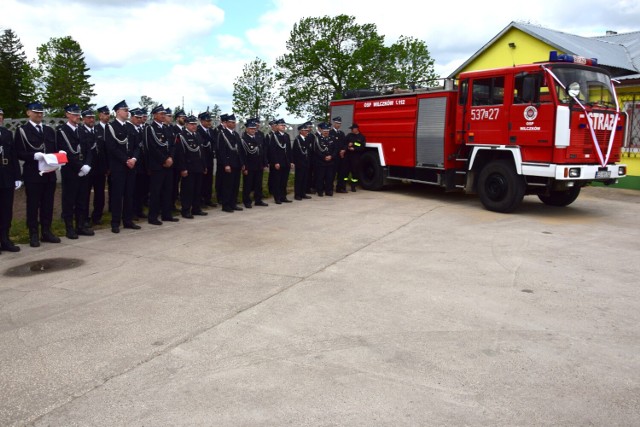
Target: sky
(190, 52)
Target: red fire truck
(546, 129)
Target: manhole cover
(43, 266)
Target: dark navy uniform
(190, 163)
(280, 155)
(40, 189)
(301, 160)
(324, 153)
(340, 164)
(231, 161)
(253, 149)
(160, 145)
(97, 176)
(75, 183)
(207, 137)
(9, 175)
(122, 146)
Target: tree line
(325, 57)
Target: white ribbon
(603, 160)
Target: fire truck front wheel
(561, 198)
(371, 174)
(500, 188)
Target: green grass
(629, 182)
(19, 232)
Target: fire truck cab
(546, 129)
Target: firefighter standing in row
(301, 161)
(31, 141)
(324, 153)
(253, 149)
(355, 144)
(190, 163)
(340, 162)
(75, 183)
(9, 183)
(231, 159)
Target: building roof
(620, 51)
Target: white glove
(84, 170)
(18, 185)
(38, 156)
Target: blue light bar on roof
(554, 56)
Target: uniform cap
(104, 109)
(191, 119)
(158, 109)
(36, 107)
(354, 126)
(167, 111)
(72, 109)
(231, 118)
(205, 116)
(303, 126)
(281, 122)
(119, 105)
(337, 119)
(179, 113)
(88, 112)
(223, 117)
(251, 124)
(324, 126)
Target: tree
(412, 65)
(16, 75)
(328, 55)
(63, 74)
(147, 103)
(254, 93)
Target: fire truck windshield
(595, 86)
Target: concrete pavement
(402, 307)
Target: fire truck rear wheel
(561, 198)
(500, 188)
(371, 175)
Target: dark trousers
(74, 197)
(97, 183)
(6, 209)
(230, 188)
(175, 193)
(190, 191)
(141, 193)
(40, 197)
(279, 184)
(207, 186)
(160, 190)
(252, 182)
(324, 178)
(340, 169)
(310, 177)
(300, 180)
(122, 186)
(219, 179)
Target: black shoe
(201, 213)
(248, 205)
(187, 215)
(115, 229)
(7, 245)
(237, 208)
(34, 240)
(306, 197)
(85, 231)
(261, 203)
(330, 194)
(132, 226)
(230, 210)
(297, 198)
(71, 234)
(97, 222)
(278, 202)
(171, 219)
(341, 190)
(285, 200)
(212, 204)
(353, 188)
(320, 195)
(48, 236)
(154, 221)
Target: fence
(630, 103)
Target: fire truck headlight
(622, 170)
(574, 173)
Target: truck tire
(500, 188)
(561, 198)
(371, 173)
